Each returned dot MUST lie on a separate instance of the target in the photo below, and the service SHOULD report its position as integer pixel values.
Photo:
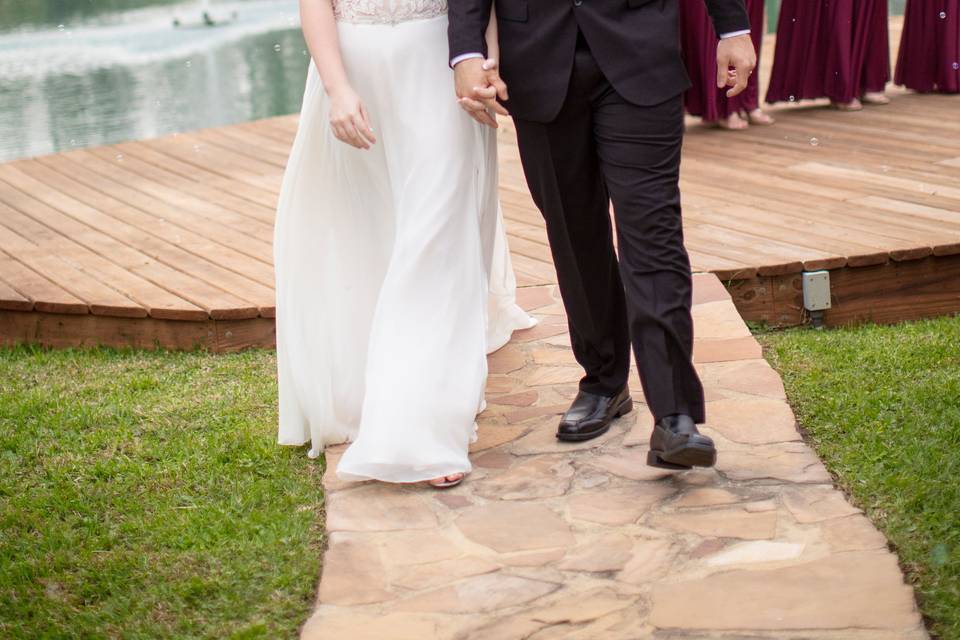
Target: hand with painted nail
(349, 120)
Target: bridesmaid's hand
(349, 120)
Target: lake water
(77, 73)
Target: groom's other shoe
(590, 415)
(677, 444)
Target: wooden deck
(168, 241)
(819, 190)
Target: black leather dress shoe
(677, 444)
(590, 415)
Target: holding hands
(479, 85)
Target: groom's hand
(478, 84)
(736, 52)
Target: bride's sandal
(447, 482)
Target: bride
(393, 274)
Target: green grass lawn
(882, 407)
(142, 495)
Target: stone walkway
(551, 540)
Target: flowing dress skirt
(838, 49)
(699, 42)
(929, 57)
(393, 274)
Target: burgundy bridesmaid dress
(699, 42)
(838, 49)
(929, 57)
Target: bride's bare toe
(447, 482)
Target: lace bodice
(387, 11)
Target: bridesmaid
(838, 49)
(703, 99)
(929, 57)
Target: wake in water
(131, 75)
(135, 38)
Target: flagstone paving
(550, 540)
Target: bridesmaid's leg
(876, 71)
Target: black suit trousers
(602, 149)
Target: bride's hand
(349, 120)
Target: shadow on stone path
(550, 540)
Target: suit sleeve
(728, 15)
(468, 26)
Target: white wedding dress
(393, 274)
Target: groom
(595, 91)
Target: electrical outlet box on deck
(816, 290)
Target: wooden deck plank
(268, 129)
(519, 229)
(901, 229)
(775, 154)
(836, 140)
(791, 191)
(198, 152)
(46, 295)
(533, 250)
(807, 227)
(243, 147)
(259, 217)
(126, 258)
(742, 248)
(253, 131)
(181, 227)
(13, 300)
(193, 286)
(99, 298)
(193, 224)
(285, 125)
(883, 183)
(538, 273)
(175, 246)
(256, 195)
(251, 142)
(858, 249)
(67, 244)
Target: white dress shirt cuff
(734, 34)
(465, 56)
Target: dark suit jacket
(635, 43)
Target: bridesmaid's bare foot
(760, 117)
(733, 122)
(447, 482)
(876, 97)
(853, 105)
